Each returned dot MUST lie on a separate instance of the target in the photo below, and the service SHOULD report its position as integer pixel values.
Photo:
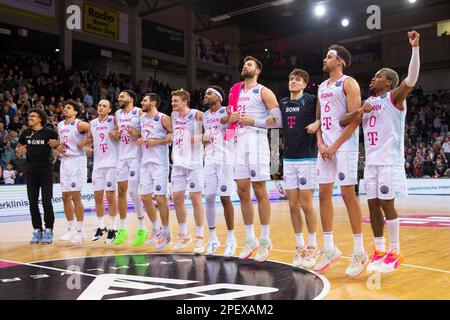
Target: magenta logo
(327, 123)
(373, 137)
(103, 147)
(291, 121)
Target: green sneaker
(121, 236)
(141, 237)
(250, 246)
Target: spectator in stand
(408, 170)
(417, 168)
(20, 166)
(14, 139)
(8, 154)
(3, 132)
(436, 126)
(429, 167)
(446, 148)
(421, 152)
(9, 174)
(15, 124)
(444, 123)
(440, 169)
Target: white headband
(334, 52)
(216, 93)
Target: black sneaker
(99, 233)
(112, 233)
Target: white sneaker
(182, 241)
(310, 259)
(78, 238)
(68, 236)
(199, 245)
(230, 248)
(262, 253)
(299, 256)
(213, 244)
(154, 236)
(358, 262)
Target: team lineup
(226, 149)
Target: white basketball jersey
(152, 128)
(185, 153)
(384, 132)
(217, 150)
(333, 105)
(128, 147)
(106, 150)
(69, 136)
(250, 104)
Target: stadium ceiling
(276, 19)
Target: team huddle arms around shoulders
(226, 150)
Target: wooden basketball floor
(424, 275)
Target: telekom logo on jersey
(291, 121)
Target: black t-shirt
(39, 153)
(297, 114)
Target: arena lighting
(345, 22)
(250, 9)
(56, 50)
(412, 1)
(319, 10)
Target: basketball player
(187, 172)
(156, 134)
(299, 164)
(252, 167)
(383, 120)
(218, 169)
(104, 174)
(127, 132)
(338, 148)
(73, 170)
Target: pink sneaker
(391, 262)
(376, 260)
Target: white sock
(380, 243)
(265, 230)
(155, 225)
(71, 225)
(358, 243)
(141, 223)
(113, 225)
(299, 241)
(183, 229)
(312, 240)
(80, 226)
(328, 240)
(393, 227)
(199, 231)
(123, 223)
(165, 228)
(249, 232)
(230, 234)
(213, 234)
(101, 222)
